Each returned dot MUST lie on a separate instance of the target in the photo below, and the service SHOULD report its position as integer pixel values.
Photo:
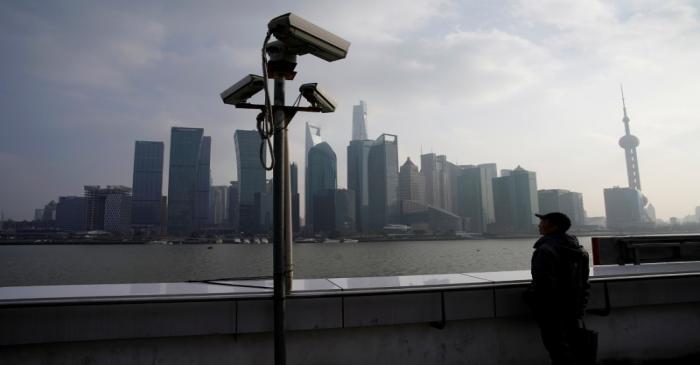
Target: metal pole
(279, 181)
(287, 206)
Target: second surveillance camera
(243, 90)
(305, 37)
(317, 97)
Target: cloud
(515, 83)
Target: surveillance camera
(305, 37)
(317, 97)
(243, 90)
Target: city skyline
(558, 91)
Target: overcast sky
(531, 83)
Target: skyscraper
(117, 217)
(108, 208)
(94, 208)
(359, 121)
(147, 184)
(474, 196)
(565, 201)
(383, 172)
(188, 180)
(334, 212)
(294, 176)
(218, 205)
(322, 175)
(358, 153)
(233, 205)
(629, 143)
(446, 183)
(203, 184)
(515, 200)
(411, 182)
(429, 169)
(624, 208)
(70, 213)
(313, 137)
(251, 178)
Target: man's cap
(558, 219)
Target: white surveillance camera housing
(243, 90)
(317, 97)
(305, 37)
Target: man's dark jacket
(559, 277)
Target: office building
(322, 175)
(313, 138)
(359, 121)
(294, 177)
(70, 213)
(474, 197)
(564, 201)
(423, 218)
(251, 178)
(188, 180)
(624, 208)
(411, 182)
(147, 184)
(218, 206)
(383, 173)
(430, 171)
(358, 181)
(334, 212)
(515, 202)
(108, 209)
(233, 205)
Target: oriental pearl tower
(629, 143)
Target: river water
(101, 264)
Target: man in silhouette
(559, 290)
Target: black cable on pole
(264, 121)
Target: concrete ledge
(652, 315)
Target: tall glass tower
(313, 137)
(251, 177)
(383, 170)
(323, 175)
(358, 181)
(359, 121)
(147, 183)
(188, 180)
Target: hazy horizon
(511, 82)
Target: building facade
(474, 197)
(147, 184)
(515, 202)
(251, 178)
(564, 201)
(322, 175)
(383, 176)
(313, 138)
(358, 180)
(334, 212)
(70, 213)
(108, 209)
(411, 182)
(233, 205)
(359, 121)
(624, 208)
(218, 206)
(296, 217)
(188, 180)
